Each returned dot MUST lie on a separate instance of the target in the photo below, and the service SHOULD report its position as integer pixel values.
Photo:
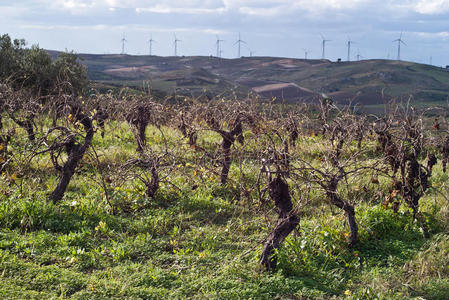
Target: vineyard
(122, 195)
(125, 194)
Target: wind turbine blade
(403, 42)
(322, 36)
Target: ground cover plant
(125, 196)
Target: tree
(33, 68)
(70, 73)
(10, 53)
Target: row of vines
(275, 155)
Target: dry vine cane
(228, 139)
(75, 152)
(340, 164)
(186, 127)
(278, 189)
(148, 169)
(403, 147)
(141, 112)
(445, 153)
(67, 142)
(22, 107)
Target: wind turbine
(358, 56)
(176, 45)
(123, 44)
(323, 45)
(305, 53)
(349, 48)
(151, 41)
(399, 40)
(239, 42)
(251, 52)
(218, 46)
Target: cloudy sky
(269, 27)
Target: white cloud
(184, 10)
(270, 8)
(264, 8)
(249, 7)
(119, 28)
(432, 6)
(442, 34)
(161, 6)
(73, 5)
(12, 11)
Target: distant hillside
(367, 82)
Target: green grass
(204, 243)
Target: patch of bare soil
(286, 91)
(285, 63)
(129, 71)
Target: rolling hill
(368, 82)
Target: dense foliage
(34, 69)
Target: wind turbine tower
(305, 53)
(323, 45)
(239, 42)
(218, 46)
(176, 45)
(123, 44)
(399, 40)
(151, 41)
(358, 56)
(349, 48)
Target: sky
(282, 28)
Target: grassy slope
(364, 81)
(204, 243)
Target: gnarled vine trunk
(350, 215)
(283, 228)
(75, 154)
(286, 223)
(26, 124)
(228, 141)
